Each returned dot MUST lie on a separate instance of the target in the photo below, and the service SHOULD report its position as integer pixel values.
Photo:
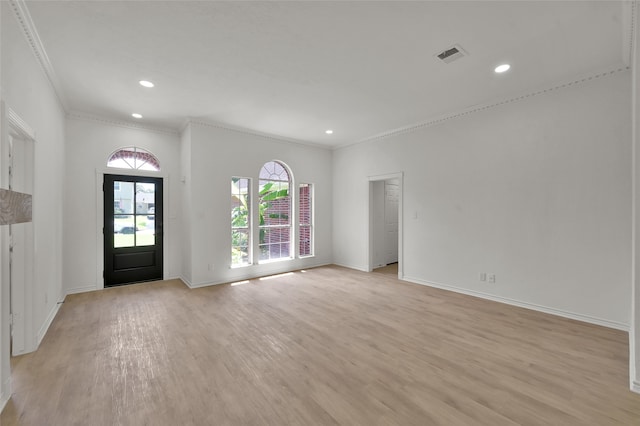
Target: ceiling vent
(451, 54)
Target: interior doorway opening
(17, 236)
(17, 153)
(385, 223)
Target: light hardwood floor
(328, 346)
(391, 269)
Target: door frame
(140, 267)
(166, 225)
(19, 130)
(400, 177)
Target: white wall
(185, 193)
(213, 157)
(89, 145)
(535, 191)
(634, 334)
(5, 345)
(26, 90)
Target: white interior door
(385, 221)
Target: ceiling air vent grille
(451, 54)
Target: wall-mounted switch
(483, 276)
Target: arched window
(274, 202)
(134, 158)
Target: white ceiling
(295, 69)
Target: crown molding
(439, 119)
(246, 131)
(82, 116)
(30, 32)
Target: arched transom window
(134, 158)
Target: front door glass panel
(145, 214)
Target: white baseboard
(635, 386)
(193, 285)
(553, 311)
(356, 267)
(205, 284)
(84, 289)
(5, 394)
(319, 265)
(47, 324)
(3, 402)
(185, 281)
(260, 274)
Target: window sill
(240, 266)
(266, 262)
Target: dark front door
(132, 229)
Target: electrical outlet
(491, 278)
(211, 267)
(483, 276)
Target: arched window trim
(131, 156)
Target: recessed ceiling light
(146, 83)
(329, 132)
(136, 115)
(502, 68)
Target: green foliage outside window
(240, 217)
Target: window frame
(248, 228)
(309, 225)
(290, 227)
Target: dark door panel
(134, 260)
(132, 229)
